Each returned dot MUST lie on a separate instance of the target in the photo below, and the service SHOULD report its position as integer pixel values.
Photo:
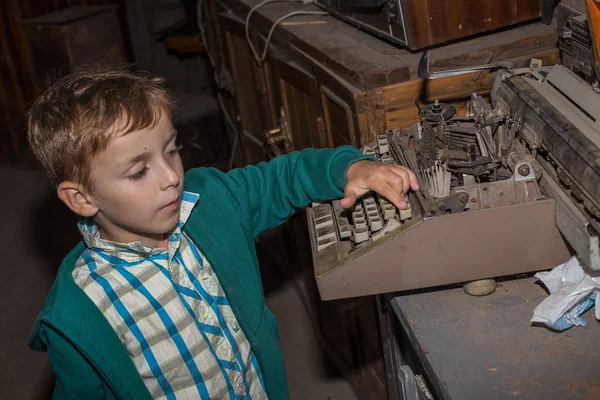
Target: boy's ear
(77, 199)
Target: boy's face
(137, 185)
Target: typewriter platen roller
(511, 187)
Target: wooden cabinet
(297, 95)
(248, 100)
(327, 84)
(317, 115)
(63, 41)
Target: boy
(163, 298)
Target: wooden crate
(66, 40)
(18, 83)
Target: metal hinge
(413, 386)
(279, 139)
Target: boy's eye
(174, 151)
(138, 175)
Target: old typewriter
(511, 187)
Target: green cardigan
(86, 355)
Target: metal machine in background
(418, 24)
(512, 187)
(578, 30)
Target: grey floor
(36, 231)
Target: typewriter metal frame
(439, 250)
(536, 223)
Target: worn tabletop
(486, 348)
(370, 62)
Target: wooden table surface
(370, 62)
(486, 348)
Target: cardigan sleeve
(75, 377)
(267, 194)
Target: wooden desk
(325, 83)
(485, 347)
(346, 84)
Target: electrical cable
(247, 24)
(260, 59)
(299, 288)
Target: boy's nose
(170, 176)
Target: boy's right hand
(389, 180)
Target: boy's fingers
(390, 181)
(387, 191)
(403, 173)
(412, 178)
(348, 200)
(396, 181)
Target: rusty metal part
(524, 170)
(400, 147)
(426, 253)
(502, 193)
(475, 171)
(441, 131)
(452, 204)
(279, 139)
(436, 111)
(426, 149)
(478, 160)
(447, 154)
(423, 69)
(461, 137)
(274, 136)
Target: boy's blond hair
(76, 117)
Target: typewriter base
(451, 249)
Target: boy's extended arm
(269, 193)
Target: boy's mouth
(171, 206)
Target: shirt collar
(90, 231)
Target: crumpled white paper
(572, 292)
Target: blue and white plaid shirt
(170, 311)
